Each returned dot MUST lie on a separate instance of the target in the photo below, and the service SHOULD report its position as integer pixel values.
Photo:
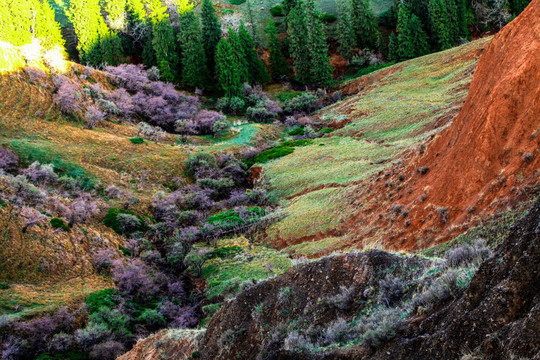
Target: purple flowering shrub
(69, 97)
(8, 160)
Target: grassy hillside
(409, 103)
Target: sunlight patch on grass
(225, 274)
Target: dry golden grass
(28, 113)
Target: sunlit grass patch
(318, 248)
(30, 299)
(225, 274)
(317, 212)
(328, 161)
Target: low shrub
(107, 298)
(201, 160)
(118, 223)
(305, 103)
(231, 106)
(288, 95)
(284, 149)
(237, 2)
(277, 10)
(373, 68)
(136, 140)
(326, 130)
(231, 219)
(297, 131)
(8, 160)
(57, 223)
(270, 154)
(264, 111)
(328, 18)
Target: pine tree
(136, 39)
(382, 45)
(163, 41)
(256, 70)
(364, 24)
(239, 56)
(440, 24)
(518, 6)
(297, 30)
(418, 37)
(226, 70)
(393, 48)
(193, 56)
(321, 71)
(279, 68)
(211, 33)
(345, 30)
(96, 43)
(308, 46)
(462, 31)
(46, 29)
(412, 41)
(16, 22)
(115, 11)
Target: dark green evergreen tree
(393, 48)
(211, 33)
(518, 6)
(308, 46)
(412, 40)
(279, 68)
(227, 72)
(96, 43)
(16, 22)
(345, 29)
(46, 29)
(382, 45)
(462, 31)
(441, 26)
(417, 36)
(194, 70)
(163, 41)
(321, 70)
(239, 56)
(297, 30)
(136, 38)
(364, 24)
(256, 69)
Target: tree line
(191, 49)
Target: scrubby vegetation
(149, 192)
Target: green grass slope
(386, 118)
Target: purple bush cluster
(93, 116)
(264, 111)
(69, 97)
(155, 101)
(8, 160)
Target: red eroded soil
(487, 160)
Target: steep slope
(488, 158)
(386, 116)
(400, 172)
(496, 318)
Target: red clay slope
(486, 159)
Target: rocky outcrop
(488, 159)
(496, 318)
(178, 344)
